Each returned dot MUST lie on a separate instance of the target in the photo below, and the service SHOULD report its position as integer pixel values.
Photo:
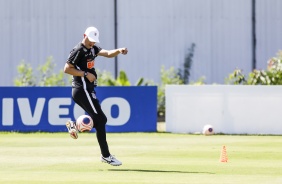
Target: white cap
(93, 34)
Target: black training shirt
(83, 59)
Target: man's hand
(91, 77)
(123, 51)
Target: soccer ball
(84, 123)
(208, 130)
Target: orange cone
(223, 155)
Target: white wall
(229, 109)
(33, 30)
(160, 32)
(157, 33)
(268, 30)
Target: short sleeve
(97, 49)
(74, 57)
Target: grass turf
(148, 158)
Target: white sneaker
(111, 160)
(72, 129)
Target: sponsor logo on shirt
(90, 63)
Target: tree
(185, 72)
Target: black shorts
(87, 100)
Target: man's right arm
(72, 60)
(70, 69)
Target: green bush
(272, 75)
(45, 75)
(169, 76)
(105, 78)
(25, 75)
(200, 81)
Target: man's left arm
(113, 53)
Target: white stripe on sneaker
(111, 160)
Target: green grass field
(149, 158)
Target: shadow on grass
(161, 171)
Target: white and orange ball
(84, 123)
(208, 130)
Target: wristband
(85, 74)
